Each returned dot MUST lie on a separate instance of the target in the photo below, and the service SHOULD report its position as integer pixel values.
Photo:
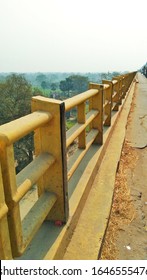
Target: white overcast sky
(72, 35)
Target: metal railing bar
(114, 105)
(114, 82)
(3, 210)
(105, 118)
(105, 86)
(31, 173)
(107, 102)
(114, 96)
(14, 130)
(80, 153)
(36, 216)
(77, 129)
(80, 98)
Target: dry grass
(123, 211)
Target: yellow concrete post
(96, 103)
(109, 99)
(115, 95)
(81, 117)
(5, 246)
(119, 91)
(128, 80)
(51, 138)
(10, 189)
(116, 88)
(124, 87)
(14, 190)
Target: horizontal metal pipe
(105, 118)
(114, 82)
(107, 102)
(3, 210)
(78, 99)
(13, 131)
(114, 95)
(105, 86)
(31, 174)
(114, 104)
(34, 219)
(90, 139)
(77, 129)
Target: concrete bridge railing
(50, 169)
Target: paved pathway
(131, 242)
(137, 129)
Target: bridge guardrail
(49, 168)
(5, 247)
(103, 99)
(48, 164)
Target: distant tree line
(74, 84)
(17, 90)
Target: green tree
(109, 75)
(40, 78)
(44, 84)
(15, 102)
(15, 98)
(36, 91)
(66, 86)
(74, 84)
(79, 83)
(53, 86)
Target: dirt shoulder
(126, 236)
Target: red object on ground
(58, 223)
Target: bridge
(61, 200)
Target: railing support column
(51, 138)
(116, 88)
(96, 103)
(5, 246)
(119, 88)
(127, 82)
(81, 119)
(109, 99)
(10, 189)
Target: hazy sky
(72, 35)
